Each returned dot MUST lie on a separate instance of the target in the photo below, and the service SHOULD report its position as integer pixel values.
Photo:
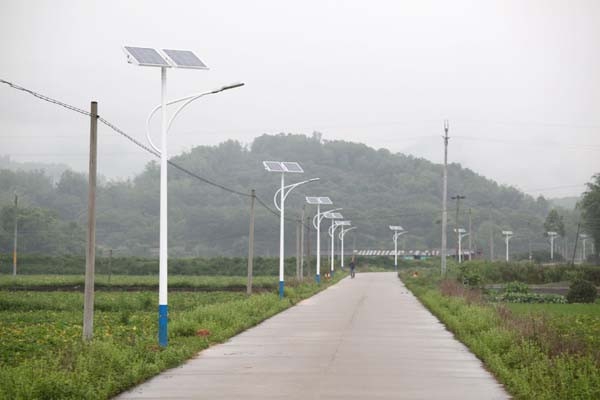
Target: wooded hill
(375, 188)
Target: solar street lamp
(341, 236)
(283, 167)
(398, 231)
(163, 59)
(552, 236)
(317, 225)
(507, 236)
(333, 216)
(460, 232)
(332, 228)
(584, 238)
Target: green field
(143, 282)
(42, 355)
(538, 351)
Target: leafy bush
(519, 297)
(516, 287)
(582, 291)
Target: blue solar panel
(273, 166)
(184, 59)
(145, 56)
(292, 167)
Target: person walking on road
(352, 268)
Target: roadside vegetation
(536, 344)
(42, 355)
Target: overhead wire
(138, 143)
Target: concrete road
(364, 338)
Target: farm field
(42, 354)
(538, 351)
(140, 282)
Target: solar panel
(344, 223)
(292, 167)
(325, 200)
(273, 166)
(145, 56)
(396, 228)
(334, 215)
(184, 59)
(313, 200)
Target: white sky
(519, 80)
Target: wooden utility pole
(445, 198)
(308, 256)
(491, 236)
(109, 265)
(90, 256)
(470, 236)
(16, 234)
(251, 244)
(298, 248)
(575, 247)
(302, 227)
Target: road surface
(364, 338)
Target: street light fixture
(165, 58)
(283, 192)
(460, 232)
(508, 235)
(317, 225)
(332, 216)
(332, 228)
(584, 238)
(341, 236)
(398, 231)
(552, 235)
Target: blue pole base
(318, 278)
(163, 318)
(281, 285)
(331, 274)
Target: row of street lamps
(284, 167)
(461, 233)
(167, 58)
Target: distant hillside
(54, 171)
(567, 203)
(375, 188)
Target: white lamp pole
(317, 225)
(460, 232)
(341, 236)
(332, 228)
(507, 236)
(398, 230)
(552, 236)
(584, 238)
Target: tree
(554, 223)
(590, 212)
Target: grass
(538, 351)
(42, 355)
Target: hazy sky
(518, 80)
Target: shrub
(516, 287)
(582, 291)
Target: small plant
(582, 291)
(516, 287)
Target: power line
(137, 143)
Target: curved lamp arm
(321, 216)
(287, 189)
(344, 231)
(187, 99)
